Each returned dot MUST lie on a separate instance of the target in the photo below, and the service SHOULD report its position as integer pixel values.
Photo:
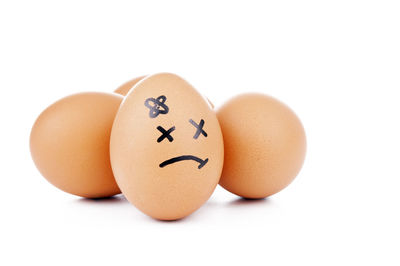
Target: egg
(265, 145)
(70, 140)
(166, 147)
(124, 88)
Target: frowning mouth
(183, 158)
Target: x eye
(165, 134)
(199, 128)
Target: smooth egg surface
(265, 145)
(69, 144)
(166, 147)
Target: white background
(336, 63)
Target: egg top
(166, 147)
(125, 88)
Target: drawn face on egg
(157, 106)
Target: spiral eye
(199, 128)
(157, 106)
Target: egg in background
(125, 88)
(265, 145)
(69, 144)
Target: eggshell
(166, 175)
(124, 88)
(265, 145)
(70, 144)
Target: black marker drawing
(183, 158)
(199, 128)
(165, 134)
(157, 106)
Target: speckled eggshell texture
(265, 145)
(166, 147)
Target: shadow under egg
(105, 201)
(250, 202)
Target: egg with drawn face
(166, 147)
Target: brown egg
(125, 88)
(166, 147)
(70, 144)
(265, 145)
